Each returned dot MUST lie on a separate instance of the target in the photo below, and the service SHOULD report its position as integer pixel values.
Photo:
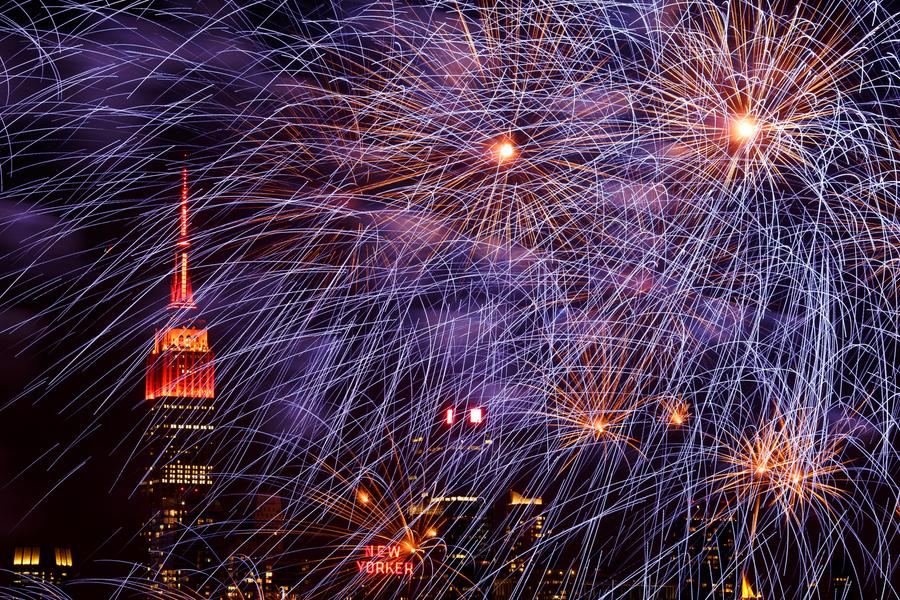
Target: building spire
(182, 296)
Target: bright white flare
(505, 151)
(745, 129)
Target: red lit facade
(180, 365)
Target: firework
(623, 271)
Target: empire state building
(180, 387)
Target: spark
(505, 151)
(745, 129)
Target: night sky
(347, 269)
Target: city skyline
(517, 300)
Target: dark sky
(65, 448)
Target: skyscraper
(522, 528)
(180, 385)
(527, 571)
(257, 567)
(455, 449)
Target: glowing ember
(745, 129)
(505, 151)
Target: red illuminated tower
(181, 363)
(182, 296)
(180, 385)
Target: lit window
(63, 557)
(27, 556)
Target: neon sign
(384, 560)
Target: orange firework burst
(748, 90)
(789, 463)
(499, 131)
(597, 400)
(676, 411)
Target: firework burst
(546, 259)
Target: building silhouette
(706, 558)
(527, 571)
(257, 566)
(457, 447)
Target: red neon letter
(476, 416)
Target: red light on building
(180, 365)
(449, 417)
(182, 296)
(180, 379)
(476, 416)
